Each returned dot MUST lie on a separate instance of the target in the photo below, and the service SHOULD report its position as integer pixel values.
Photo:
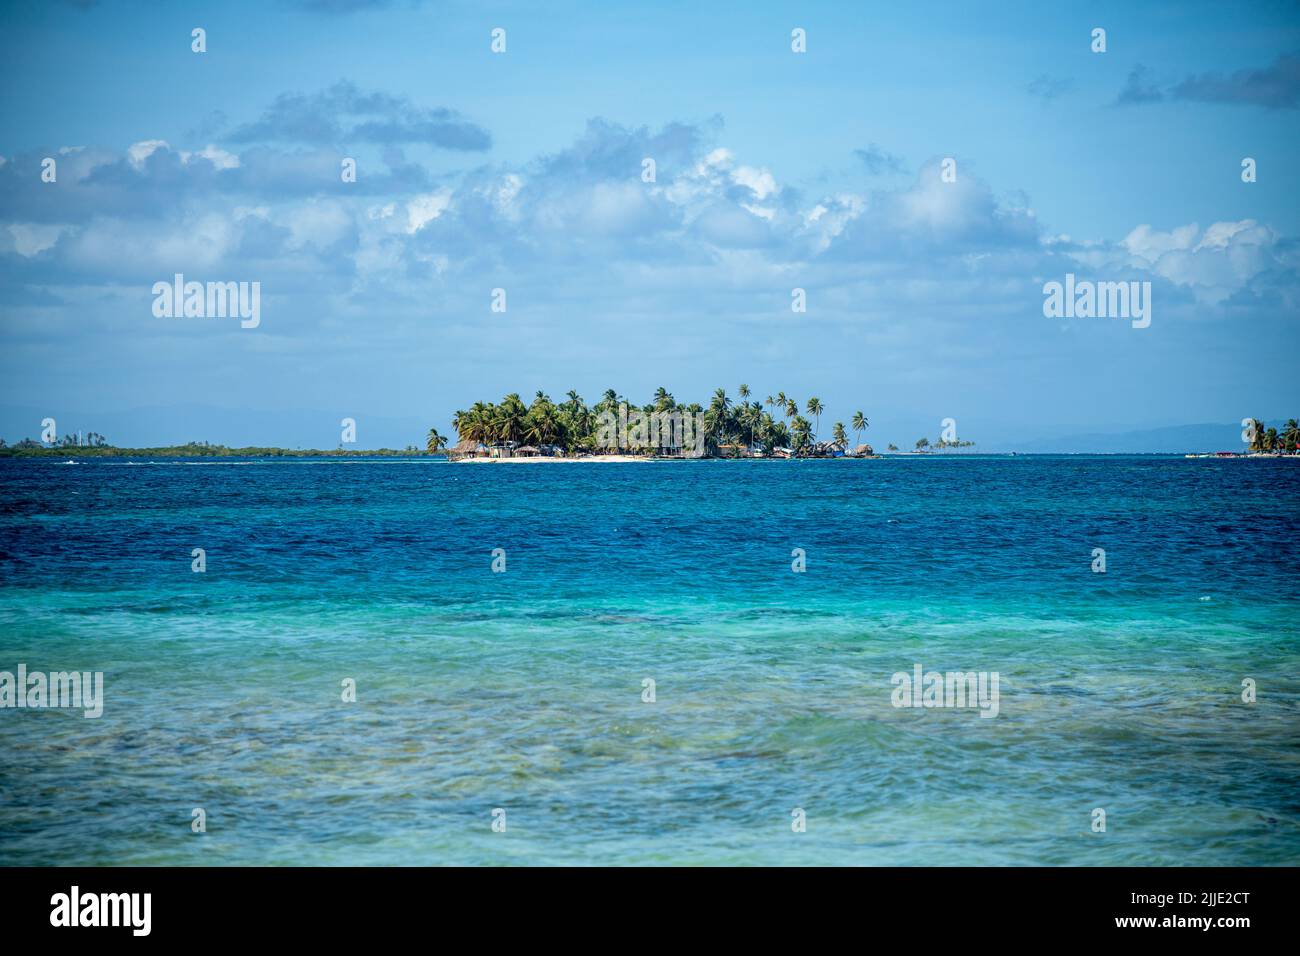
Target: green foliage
(190, 450)
(574, 426)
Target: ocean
(504, 716)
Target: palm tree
(435, 442)
(922, 444)
(542, 424)
(476, 424)
(815, 409)
(754, 415)
(1257, 435)
(716, 418)
(608, 402)
(800, 432)
(860, 424)
(510, 418)
(743, 392)
(838, 432)
(1291, 435)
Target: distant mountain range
(1207, 437)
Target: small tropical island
(615, 428)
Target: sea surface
(523, 690)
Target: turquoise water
(523, 690)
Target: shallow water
(522, 690)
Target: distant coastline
(64, 453)
(196, 450)
(575, 433)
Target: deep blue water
(523, 690)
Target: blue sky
(775, 170)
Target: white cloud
(1149, 244)
(718, 158)
(29, 239)
(503, 193)
(215, 155)
(1213, 263)
(587, 215)
(760, 181)
(137, 153)
(422, 210)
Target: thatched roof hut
(467, 448)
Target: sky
(523, 170)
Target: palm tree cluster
(1271, 441)
(569, 424)
(730, 426)
(77, 440)
(940, 443)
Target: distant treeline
(194, 450)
